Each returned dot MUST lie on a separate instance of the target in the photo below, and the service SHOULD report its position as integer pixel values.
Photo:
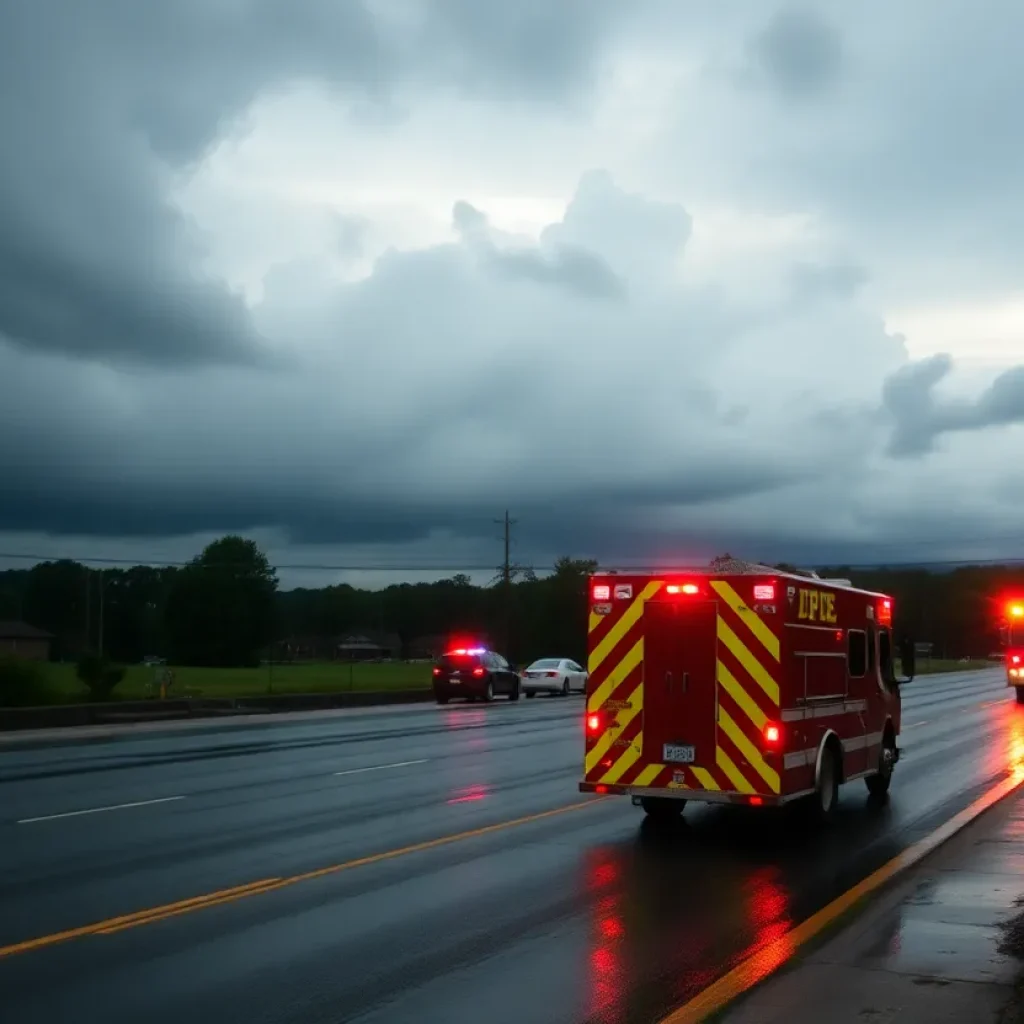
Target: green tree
(221, 606)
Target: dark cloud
(99, 101)
(799, 52)
(921, 417)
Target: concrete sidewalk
(944, 944)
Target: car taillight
(478, 672)
(437, 671)
(1015, 659)
(772, 734)
(553, 675)
(594, 723)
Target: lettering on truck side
(817, 606)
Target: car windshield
(546, 663)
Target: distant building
(25, 641)
(362, 648)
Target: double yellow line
(215, 899)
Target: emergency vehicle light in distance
(463, 651)
(593, 724)
(601, 592)
(1017, 611)
(682, 588)
(764, 592)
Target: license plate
(678, 754)
(454, 679)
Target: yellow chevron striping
(629, 758)
(747, 660)
(623, 718)
(750, 619)
(626, 622)
(594, 621)
(706, 779)
(732, 686)
(617, 676)
(749, 751)
(726, 763)
(648, 775)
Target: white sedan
(553, 675)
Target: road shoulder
(940, 945)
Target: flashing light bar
(682, 588)
(1017, 611)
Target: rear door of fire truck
(680, 702)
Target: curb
(766, 961)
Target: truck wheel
(878, 784)
(1020, 694)
(660, 808)
(826, 793)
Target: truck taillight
(594, 723)
(682, 588)
(601, 592)
(772, 734)
(1015, 659)
(764, 592)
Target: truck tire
(660, 808)
(878, 784)
(1020, 694)
(826, 791)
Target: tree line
(226, 608)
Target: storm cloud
(361, 276)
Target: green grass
(327, 677)
(248, 682)
(928, 666)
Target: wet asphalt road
(585, 915)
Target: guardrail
(68, 715)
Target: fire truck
(739, 684)
(1013, 632)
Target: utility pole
(102, 581)
(506, 582)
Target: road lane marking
(914, 725)
(99, 810)
(381, 767)
(161, 913)
(766, 961)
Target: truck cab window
(885, 664)
(856, 653)
(871, 650)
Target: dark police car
(473, 672)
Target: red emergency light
(601, 592)
(594, 722)
(764, 591)
(1016, 610)
(772, 733)
(682, 588)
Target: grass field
(314, 678)
(248, 682)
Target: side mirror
(908, 662)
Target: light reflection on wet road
(590, 915)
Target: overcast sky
(663, 279)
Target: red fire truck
(1014, 634)
(739, 684)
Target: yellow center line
(141, 917)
